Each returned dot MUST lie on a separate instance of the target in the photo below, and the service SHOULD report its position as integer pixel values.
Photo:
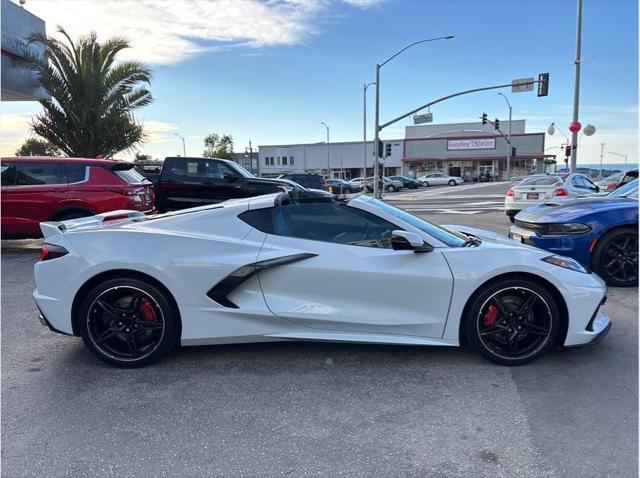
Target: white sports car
(300, 266)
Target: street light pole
(376, 166)
(328, 157)
(364, 138)
(601, 155)
(576, 90)
(509, 147)
(622, 156)
(184, 148)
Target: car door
(350, 279)
(221, 182)
(438, 179)
(33, 194)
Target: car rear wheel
(452, 182)
(391, 188)
(512, 322)
(615, 258)
(127, 322)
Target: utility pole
(328, 157)
(601, 155)
(376, 140)
(364, 138)
(576, 90)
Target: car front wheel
(512, 321)
(452, 182)
(128, 322)
(615, 257)
(391, 189)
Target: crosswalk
(467, 200)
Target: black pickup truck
(188, 182)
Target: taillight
(510, 192)
(51, 251)
(561, 192)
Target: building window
(284, 160)
(291, 160)
(266, 160)
(278, 160)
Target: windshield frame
(443, 236)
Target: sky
(271, 71)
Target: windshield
(131, 176)
(243, 172)
(628, 190)
(540, 181)
(444, 236)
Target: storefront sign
(478, 143)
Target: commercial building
(18, 82)
(469, 150)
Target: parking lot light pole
(328, 160)
(509, 147)
(184, 148)
(376, 165)
(364, 138)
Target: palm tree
(90, 112)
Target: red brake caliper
(147, 310)
(491, 316)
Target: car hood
(570, 210)
(487, 236)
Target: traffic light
(543, 84)
(380, 149)
(513, 152)
(496, 123)
(387, 150)
(567, 151)
(484, 118)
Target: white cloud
(166, 32)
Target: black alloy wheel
(615, 258)
(512, 322)
(127, 322)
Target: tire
(426, 183)
(139, 337)
(452, 182)
(615, 257)
(497, 315)
(67, 216)
(391, 189)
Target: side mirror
(228, 177)
(408, 241)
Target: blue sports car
(599, 232)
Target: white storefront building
(460, 149)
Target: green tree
(142, 157)
(37, 147)
(216, 146)
(90, 112)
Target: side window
(213, 169)
(8, 174)
(259, 218)
(184, 169)
(34, 174)
(76, 173)
(331, 222)
(588, 183)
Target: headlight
(568, 228)
(566, 263)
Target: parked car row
(569, 215)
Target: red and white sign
(476, 143)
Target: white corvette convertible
(295, 266)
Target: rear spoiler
(52, 228)
(122, 166)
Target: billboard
(475, 143)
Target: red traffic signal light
(567, 150)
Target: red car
(36, 189)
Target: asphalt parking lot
(315, 409)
